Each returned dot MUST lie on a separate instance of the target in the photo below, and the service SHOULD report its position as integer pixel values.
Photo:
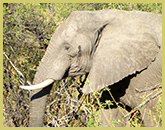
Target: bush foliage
(27, 29)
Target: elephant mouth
(38, 86)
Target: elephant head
(107, 45)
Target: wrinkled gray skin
(119, 49)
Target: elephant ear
(125, 47)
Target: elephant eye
(67, 47)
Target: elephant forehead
(69, 30)
(81, 39)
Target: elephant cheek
(59, 69)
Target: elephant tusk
(38, 86)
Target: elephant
(118, 49)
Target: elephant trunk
(38, 101)
(53, 67)
(45, 76)
(37, 106)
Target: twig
(143, 103)
(67, 102)
(154, 87)
(119, 6)
(15, 68)
(130, 6)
